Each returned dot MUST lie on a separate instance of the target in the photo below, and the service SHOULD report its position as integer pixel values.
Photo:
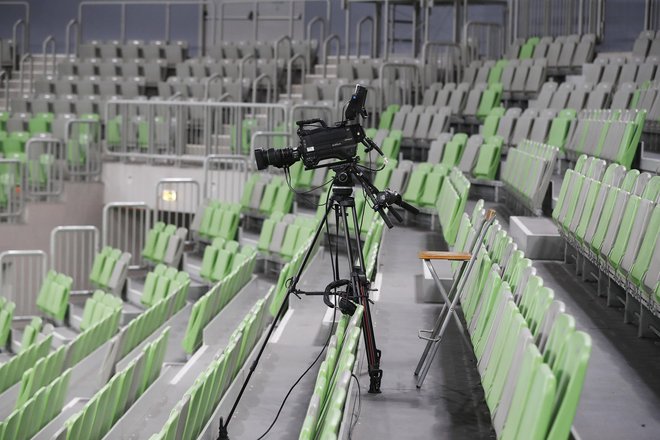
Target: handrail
(326, 43)
(425, 52)
(3, 74)
(358, 48)
(488, 26)
(381, 78)
(73, 22)
(323, 23)
(16, 54)
(277, 53)
(209, 80)
(269, 92)
(241, 66)
(289, 74)
(26, 57)
(44, 46)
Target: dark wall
(623, 21)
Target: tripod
(342, 201)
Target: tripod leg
(361, 288)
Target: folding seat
(611, 72)
(470, 153)
(622, 96)
(457, 100)
(153, 52)
(470, 72)
(522, 127)
(528, 48)
(108, 88)
(437, 146)
(154, 71)
(472, 100)
(89, 50)
(598, 97)
(629, 71)
(65, 86)
(560, 97)
(410, 124)
(568, 50)
(643, 43)
(520, 76)
(592, 72)
(87, 87)
(541, 49)
(444, 95)
(483, 72)
(174, 53)
(554, 51)
(506, 78)
(452, 153)
(645, 72)
(585, 50)
(507, 123)
(654, 49)
(545, 96)
(578, 96)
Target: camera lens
(279, 158)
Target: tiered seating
(282, 236)
(238, 269)
(264, 194)
(573, 96)
(103, 410)
(92, 338)
(193, 411)
(527, 172)
(564, 54)
(610, 135)
(222, 258)
(476, 156)
(419, 124)
(152, 319)
(12, 370)
(53, 299)
(31, 333)
(371, 246)
(326, 407)
(109, 269)
(647, 45)
(522, 79)
(6, 316)
(217, 220)
(99, 307)
(620, 70)
(164, 244)
(45, 371)
(531, 360)
(611, 219)
(28, 419)
(234, 51)
(171, 53)
(163, 282)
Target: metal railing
(12, 195)
(289, 72)
(543, 17)
(225, 177)
(257, 18)
(25, 58)
(177, 200)
(5, 77)
(24, 24)
(487, 38)
(21, 275)
(358, 44)
(408, 81)
(271, 89)
(125, 227)
(448, 57)
(200, 5)
(326, 45)
(84, 147)
(323, 23)
(187, 130)
(73, 23)
(49, 41)
(72, 252)
(45, 162)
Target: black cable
(357, 417)
(325, 345)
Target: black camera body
(319, 143)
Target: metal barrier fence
(400, 83)
(83, 141)
(125, 227)
(443, 61)
(488, 40)
(186, 130)
(45, 167)
(177, 200)
(72, 252)
(21, 275)
(12, 196)
(546, 17)
(225, 177)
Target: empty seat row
(53, 298)
(172, 53)
(222, 257)
(204, 68)
(216, 220)
(610, 135)
(43, 373)
(31, 334)
(97, 308)
(647, 44)
(514, 125)
(531, 360)
(65, 104)
(325, 412)
(647, 97)
(107, 406)
(104, 87)
(164, 244)
(620, 70)
(191, 414)
(231, 50)
(526, 174)
(466, 103)
(232, 270)
(419, 125)
(163, 282)
(476, 156)
(92, 338)
(610, 218)
(150, 72)
(231, 89)
(282, 236)
(563, 53)
(12, 371)
(109, 269)
(6, 316)
(266, 194)
(574, 96)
